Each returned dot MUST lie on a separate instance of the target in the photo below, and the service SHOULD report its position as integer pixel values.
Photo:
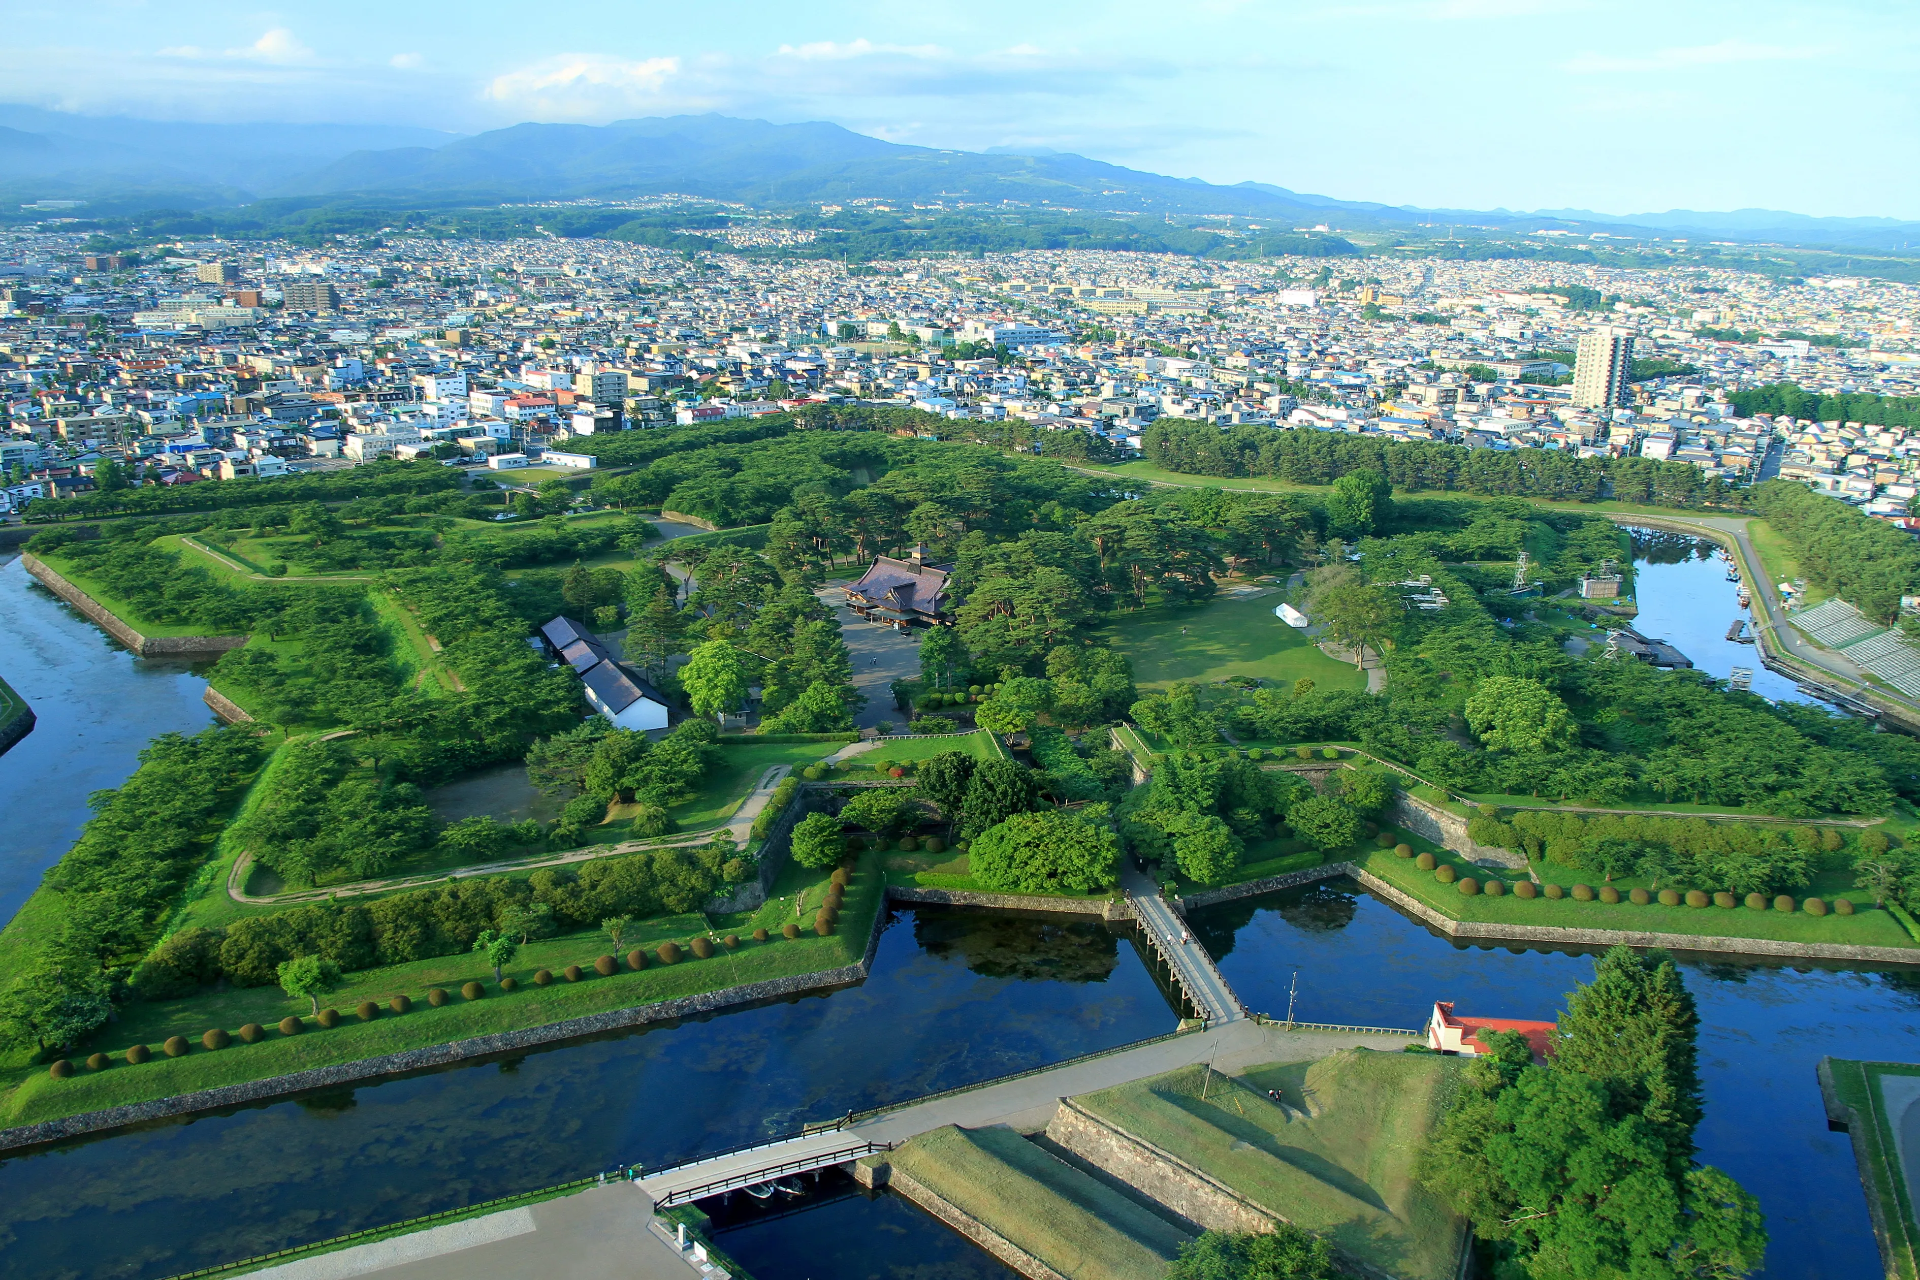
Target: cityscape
(768, 653)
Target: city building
(1603, 361)
(310, 295)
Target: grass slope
(1070, 1221)
(29, 1095)
(1857, 1085)
(1337, 1159)
(1225, 638)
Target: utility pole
(1292, 991)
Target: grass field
(1337, 1158)
(1225, 638)
(30, 1094)
(116, 606)
(1777, 559)
(1867, 927)
(1070, 1221)
(979, 744)
(11, 703)
(1857, 1085)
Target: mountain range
(124, 164)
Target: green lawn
(28, 1095)
(1225, 638)
(1858, 1086)
(979, 744)
(1074, 1223)
(1777, 559)
(116, 606)
(1867, 927)
(1335, 1158)
(11, 703)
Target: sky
(1620, 106)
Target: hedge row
(1470, 886)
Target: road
(880, 656)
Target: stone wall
(1449, 830)
(1154, 1173)
(1105, 908)
(145, 646)
(226, 708)
(971, 1227)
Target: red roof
(1539, 1034)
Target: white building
(441, 386)
(577, 461)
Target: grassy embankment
(1225, 638)
(1068, 1219)
(32, 1095)
(11, 704)
(1335, 1157)
(1857, 1084)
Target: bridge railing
(766, 1173)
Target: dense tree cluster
(1843, 551)
(1785, 398)
(371, 480)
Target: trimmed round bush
(934, 844)
(1611, 895)
(1424, 862)
(1725, 900)
(176, 1046)
(1583, 893)
(401, 1004)
(436, 996)
(702, 947)
(790, 930)
(543, 977)
(1638, 897)
(1843, 906)
(252, 1033)
(1553, 892)
(823, 924)
(472, 990)
(760, 934)
(1669, 897)
(669, 952)
(1386, 840)
(1814, 907)
(1329, 753)
(215, 1038)
(139, 1053)
(1469, 887)
(636, 959)
(571, 973)
(896, 772)
(731, 942)
(908, 844)
(292, 1026)
(1403, 851)
(1494, 888)
(97, 1062)
(1784, 902)
(1444, 875)
(328, 1018)
(366, 1011)
(1525, 889)
(61, 1069)
(840, 876)
(1697, 898)
(509, 984)
(606, 966)
(1756, 901)
(1256, 753)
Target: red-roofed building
(1450, 1033)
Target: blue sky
(1617, 105)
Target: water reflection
(1764, 1028)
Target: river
(955, 997)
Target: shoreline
(20, 723)
(98, 614)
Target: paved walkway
(1202, 981)
(880, 656)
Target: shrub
(401, 1004)
(328, 1018)
(814, 772)
(823, 925)
(896, 772)
(1305, 753)
(1469, 886)
(1329, 753)
(702, 947)
(835, 896)
(572, 973)
(1757, 902)
(790, 930)
(1553, 892)
(1669, 897)
(97, 1062)
(215, 1038)
(731, 942)
(472, 990)
(61, 1069)
(636, 959)
(292, 1026)
(1638, 897)
(760, 934)
(175, 1046)
(606, 966)
(543, 977)
(1444, 874)
(841, 876)
(934, 844)
(1403, 851)
(669, 952)
(1583, 893)
(1255, 753)
(1493, 888)
(908, 844)
(1697, 898)
(1525, 889)
(1385, 840)
(139, 1053)
(436, 996)
(509, 984)
(1784, 902)
(366, 1011)
(1425, 862)
(1611, 895)
(1725, 900)
(1814, 907)
(1843, 906)
(253, 1033)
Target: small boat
(790, 1187)
(761, 1191)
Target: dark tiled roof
(617, 687)
(563, 631)
(895, 582)
(582, 654)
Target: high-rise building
(607, 388)
(217, 273)
(309, 295)
(1601, 364)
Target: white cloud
(406, 61)
(585, 86)
(1724, 53)
(833, 51)
(277, 47)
